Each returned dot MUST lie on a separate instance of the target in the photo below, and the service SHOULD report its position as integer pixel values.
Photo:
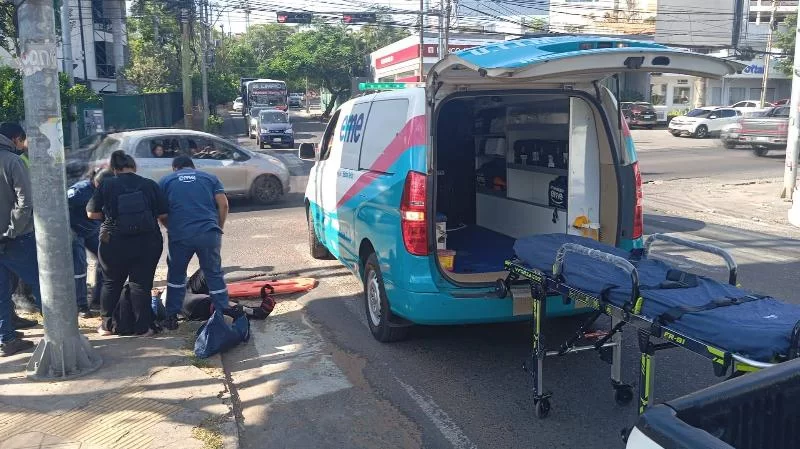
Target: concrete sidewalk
(150, 393)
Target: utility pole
(793, 148)
(421, 40)
(308, 103)
(246, 15)
(117, 31)
(66, 49)
(447, 8)
(767, 55)
(64, 352)
(204, 59)
(186, 69)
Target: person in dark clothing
(85, 236)
(17, 241)
(198, 208)
(130, 241)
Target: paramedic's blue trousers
(207, 247)
(19, 257)
(79, 247)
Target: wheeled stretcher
(736, 330)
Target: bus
(266, 93)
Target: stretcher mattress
(759, 330)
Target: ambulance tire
(379, 315)
(316, 248)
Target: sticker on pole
(55, 137)
(37, 57)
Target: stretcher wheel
(623, 395)
(542, 408)
(500, 288)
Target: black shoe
(24, 323)
(171, 323)
(94, 305)
(14, 346)
(19, 334)
(84, 312)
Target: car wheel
(760, 151)
(675, 133)
(649, 127)
(377, 306)
(701, 132)
(729, 145)
(266, 189)
(316, 248)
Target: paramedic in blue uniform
(85, 236)
(198, 208)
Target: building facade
(603, 16)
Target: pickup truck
(767, 131)
(754, 411)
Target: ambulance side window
(351, 134)
(329, 137)
(387, 118)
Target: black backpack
(134, 216)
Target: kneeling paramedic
(85, 236)
(198, 208)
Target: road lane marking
(440, 418)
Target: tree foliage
(785, 40)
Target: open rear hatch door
(567, 60)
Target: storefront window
(755, 94)
(737, 94)
(680, 95)
(658, 95)
(716, 96)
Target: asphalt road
(314, 377)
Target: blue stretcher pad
(759, 330)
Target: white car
(704, 122)
(748, 107)
(238, 104)
(259, 177)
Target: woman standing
(130, 245)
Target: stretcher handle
(753, 363)
(619, 262)
(732, 267)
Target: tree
(536, 25)
(12, 108)
(327, 55)
(785, 40)
(154, 37)
(8, 28)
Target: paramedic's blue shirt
(192, 207)
(77, 197)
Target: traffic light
(294, 17)
(359, 17)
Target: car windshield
(274, 117)
(702, 113)
(642, 107)
(779, 112)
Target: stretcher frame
(540, 285)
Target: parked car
(640, 113)
(784, 102)
(274, 129)
(749, 107)
(766, 132)
(703, 122)
(398, 195)
(259, 177)
(729, 136)
(238, 104)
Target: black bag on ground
(197, 283)
(123, 320)
(134, 216)
(196, 306)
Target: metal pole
(83, 41)
(793, 147)
(66, 49)
(117, 31)
(767, 54)
(447, 26)
(308, 103)
(186, 70)
(421, 40)
(204, 60)
(64, 352)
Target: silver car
(259, 177)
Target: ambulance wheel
(266, 189)
(623, 395)
(317, 249)
(543, 408)
(379, 315)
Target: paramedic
(198, 208)
(130, 241)
(17, 241)
(85, 236)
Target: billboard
(683, 23)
